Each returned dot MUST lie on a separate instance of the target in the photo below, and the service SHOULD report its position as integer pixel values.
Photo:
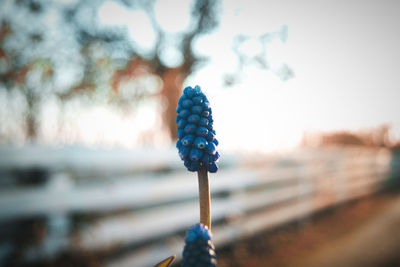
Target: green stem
(204, 198)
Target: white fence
(157, 199)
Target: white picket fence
(250, 193)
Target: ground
(361, 233)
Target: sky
(345, 58)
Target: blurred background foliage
(41, 41)
(61, 51)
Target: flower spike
(199, 250)
(196, 136)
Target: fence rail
(249, 194)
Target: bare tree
(17, 66)
(259, 59)
(94, 48)
(204, 20)
(136, 63)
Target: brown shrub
(372, 137)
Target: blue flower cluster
(199, 250)
(197, 231)
(196, 135)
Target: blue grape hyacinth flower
(199, 250)
(196, 135)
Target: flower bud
(196, 135)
